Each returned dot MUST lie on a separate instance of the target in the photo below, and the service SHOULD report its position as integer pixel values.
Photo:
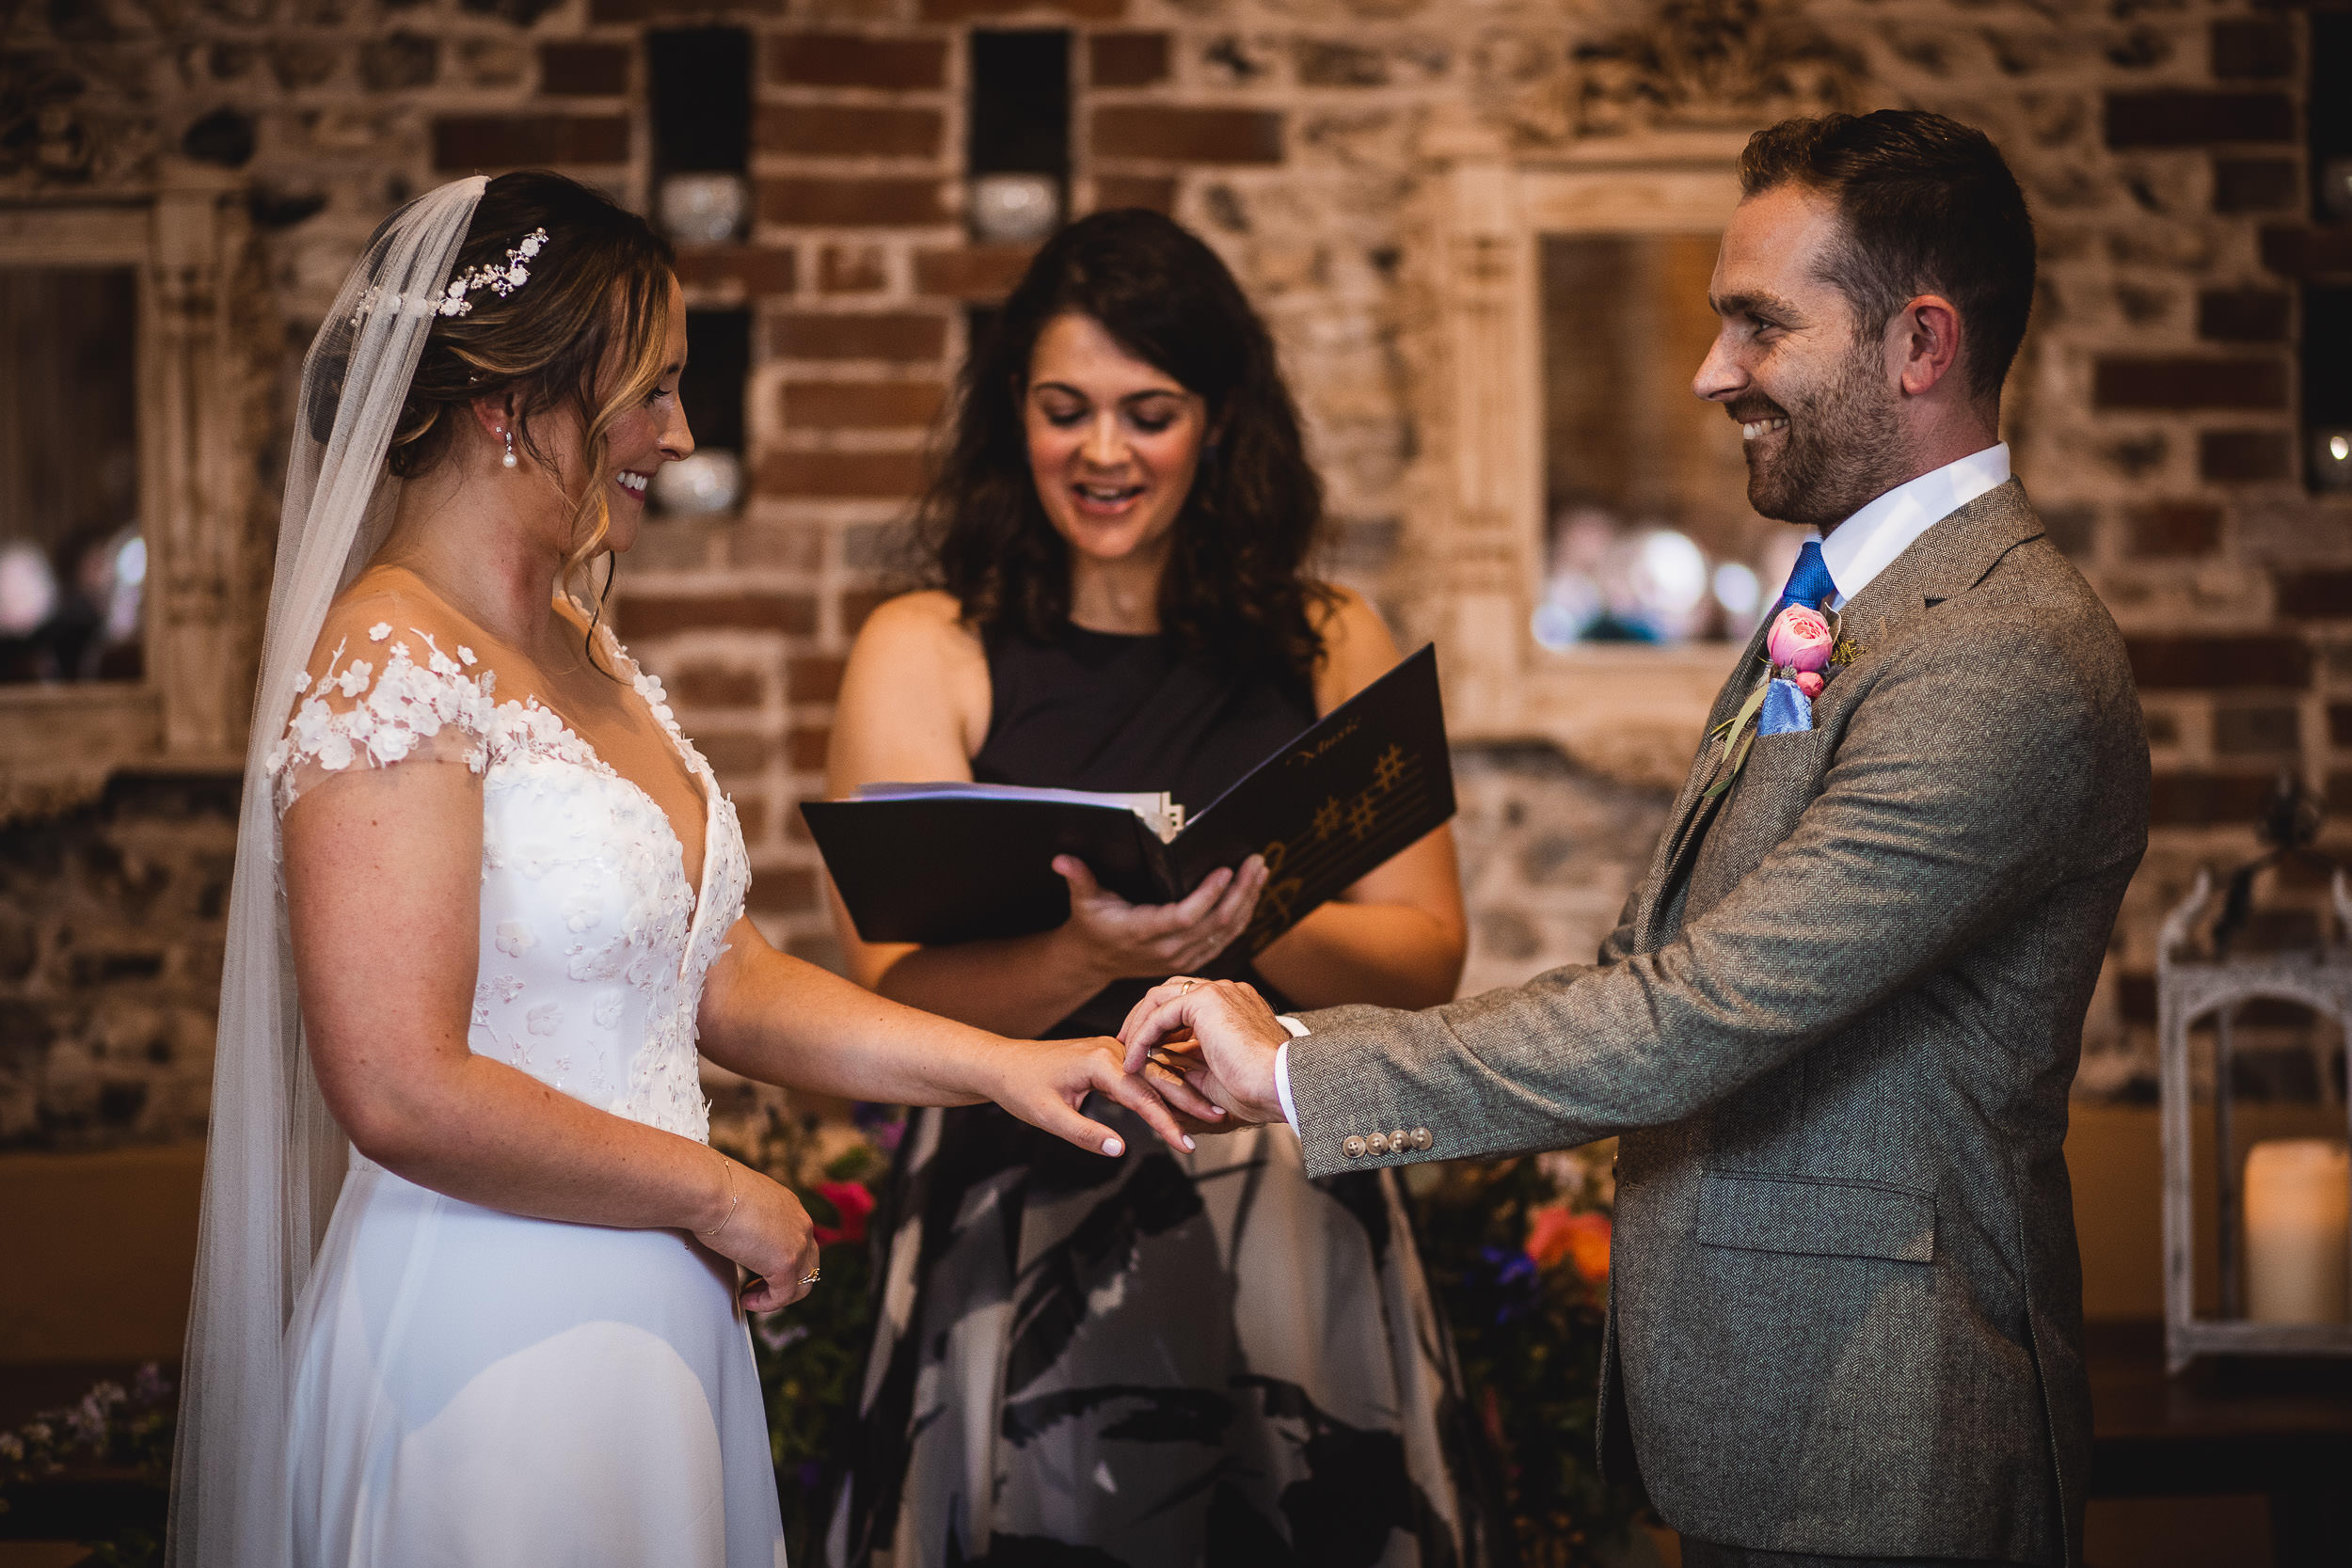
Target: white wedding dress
(471, 1386)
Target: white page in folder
(1163, 815)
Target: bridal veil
(276, 1159)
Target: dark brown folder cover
(1369, 778)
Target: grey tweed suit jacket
(1836, 1026)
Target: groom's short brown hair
(1928, 207)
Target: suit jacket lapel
(1944, 562)
(1678, 837)
(1950, 558)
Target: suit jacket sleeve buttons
(1421, 1138)
(1353, 1148)
(1399, 1141)
(1377, 1143)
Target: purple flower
(1513, 1281)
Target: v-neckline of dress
(698, 889)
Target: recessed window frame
(191, 706)
(1617, 705)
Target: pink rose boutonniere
(1800, 642)
(1802, 649)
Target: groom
(1838, 1020)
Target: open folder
(941, 862)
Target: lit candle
(2298, 1230)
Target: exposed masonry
(2154, 412)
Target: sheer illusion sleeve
(381, 697)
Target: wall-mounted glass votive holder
(2331, 459)
(706, 484)
(1015, 208)
(2335, 188)
(704, 208)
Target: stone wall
(2152, 415)
(112, 918)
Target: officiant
(1139, 1357)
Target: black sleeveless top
(1122, 712)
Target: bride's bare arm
(776, 1019)
(383, 871)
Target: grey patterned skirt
(1151, 1362)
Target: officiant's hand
(1117, 940)
(1233, 1039)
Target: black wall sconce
(699, 82)
(1017, 144)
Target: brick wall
(2152, 414)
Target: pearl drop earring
(508, 460)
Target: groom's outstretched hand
(1218, 1037)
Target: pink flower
(1800, 639)
(1554, 1233)
(852, 1202)
(1810, 683)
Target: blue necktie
(1810, 584)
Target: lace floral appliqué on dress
(593, 946)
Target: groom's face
(1817, 401)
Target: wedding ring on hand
(812, 1277)
(1185, 985)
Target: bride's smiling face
(648, 435)
(640, 439)
(1113, 441)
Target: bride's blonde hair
(596, 300)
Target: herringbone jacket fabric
(1836, 1026)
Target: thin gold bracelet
(726, 1169)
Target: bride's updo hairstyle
(596, 302)
(1233, 592)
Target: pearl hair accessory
(499, 281)
(500, 277)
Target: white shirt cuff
(1283, 1068)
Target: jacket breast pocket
(1817, 1216)
(1785, 767)
(1781, 778)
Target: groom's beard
(1841, 450)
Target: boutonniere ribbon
(1800, 652)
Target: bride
(513, 908)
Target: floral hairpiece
(500, 277)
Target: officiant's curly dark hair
(1233, 592)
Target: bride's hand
(1122, 940)
(771, 1235)
(1044, 1082)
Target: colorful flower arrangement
(811, 1355)
(1517, 1252)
